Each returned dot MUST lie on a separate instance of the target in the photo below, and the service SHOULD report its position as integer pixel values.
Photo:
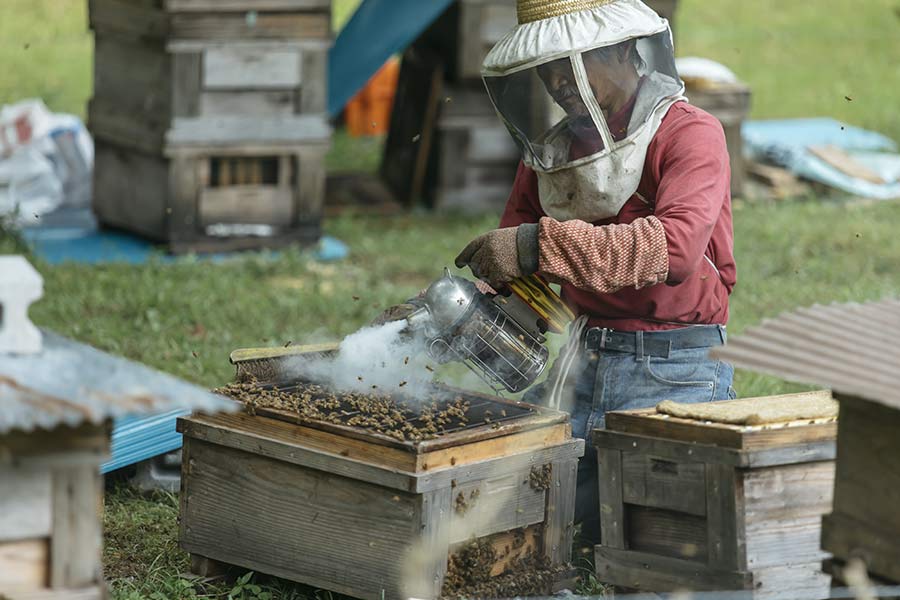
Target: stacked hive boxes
(209, 119)
(446, 145)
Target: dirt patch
(380, 413)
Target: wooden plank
(127, 190)
(309, 193)
(658, 482)
(33, 448)
(187, 70)
(184, 191)
(560, 512)
(245, 5)
(313, 97)
(284, 442)
(725, 531)
(612, 516)
(286, 518)
(90, 593)
(229, 26)
(868, 473)
(266, 204)
(234, 102)
(685, 451)
(787, 492)
(246, 67)
(666, 532)
(197, 242)
(426, 564)
(794, 582)
(783, 509)
(76, 544)
(671, 450)
(499, 503)
(25, 503)
(642, 571)
(479, 470)
(213, 135)
(648, 422)
(24, 564)
(784, 542)
(514, 441)
(844, 162)
(847, 537)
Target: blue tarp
(376, 31)
(786, 143)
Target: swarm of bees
(376, 412)
(469, 571)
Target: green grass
(802, 59)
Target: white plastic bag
(46, 161)
(29, 187)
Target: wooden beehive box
(50, 505)
(210, 119)
(364, 514)
(476, 156)
(730, 104)
(865, 522)
(687, 504)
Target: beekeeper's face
(559, 79)
(610, 71)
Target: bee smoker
(500, 338)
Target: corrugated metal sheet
(138, 438)
(853, 349)
(70, 383)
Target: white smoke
(381, 359)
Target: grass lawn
(801, 59)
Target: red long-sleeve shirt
(685, 185)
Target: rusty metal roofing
(69, 383)
(854, 349)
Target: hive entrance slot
(240, 170)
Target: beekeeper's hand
(501, 255)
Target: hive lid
(750, 423)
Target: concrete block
(20, 285)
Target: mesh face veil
(582, 94)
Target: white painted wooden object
(20, 285)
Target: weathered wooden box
(363, 514)
(476, 156)
(51, 498)
(730, 104)
(865, 522)
(210, 119)
(688, 504)
(214, 196)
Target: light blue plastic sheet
(375, 32)
(786, 143)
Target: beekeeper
(623, 200)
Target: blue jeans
(608, 380)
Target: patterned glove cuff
(527, 247)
